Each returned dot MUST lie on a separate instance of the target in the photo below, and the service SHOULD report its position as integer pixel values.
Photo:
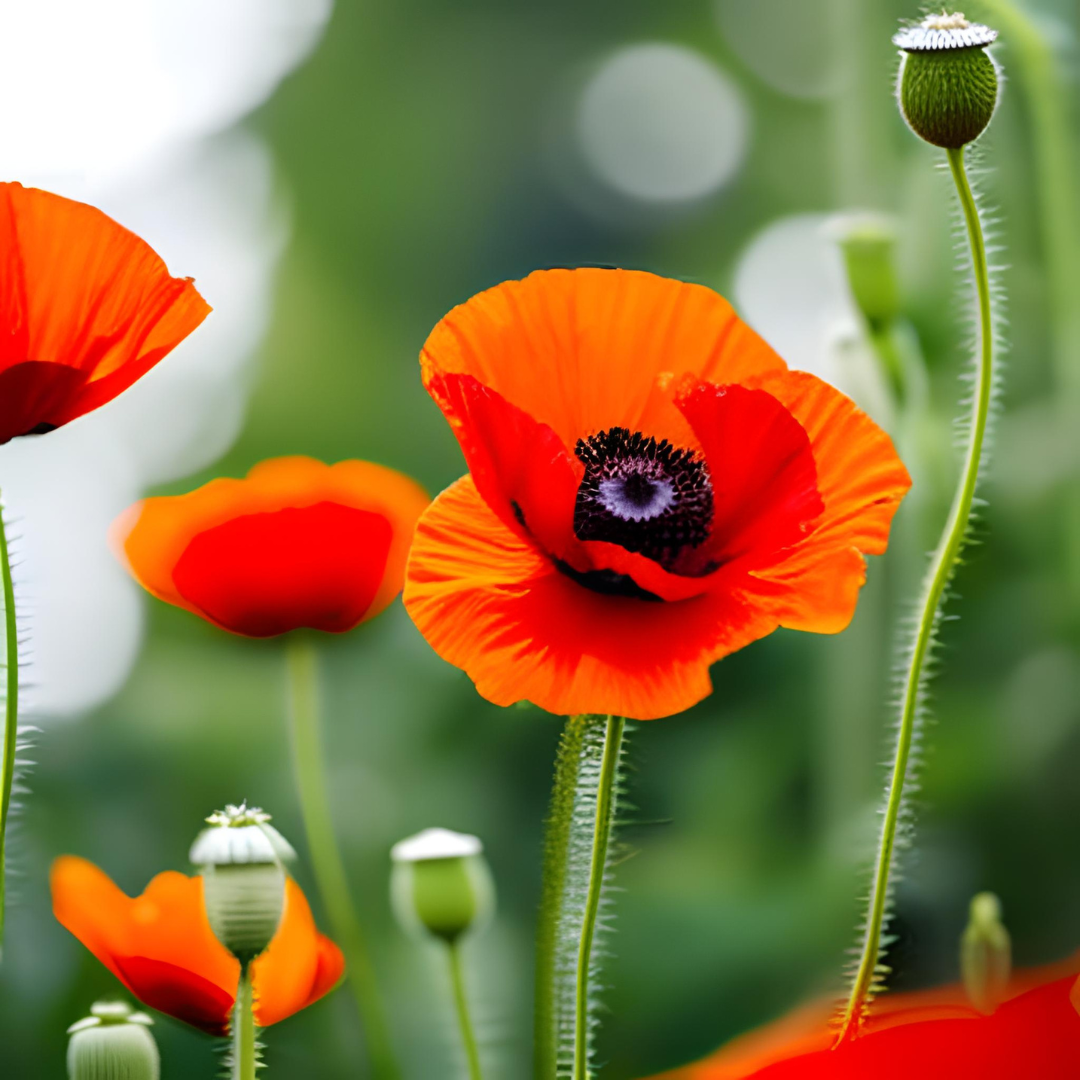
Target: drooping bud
(240, 857)
(441, 884)
(986, 954)
(948, 84)
(113, 1043)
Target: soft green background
(412, 151)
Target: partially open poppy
(931, 1034)
(650, 488)
(295, 544)
(86, 308)
(161, 947)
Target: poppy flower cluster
(933, 1034)
(161, 947)
(295, 544)
(650, 489)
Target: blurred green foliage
(413, 158)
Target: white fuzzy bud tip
(436, 844)
(240, 835)
(939, 32)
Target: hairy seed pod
(441, 884)
(241, 857)
(948, 86)
(113, 1043)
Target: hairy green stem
(11, 712)
(326, 856)
(553, 897)
(940, 573)
(461, 1007)
(245, 1054)
(605, 803)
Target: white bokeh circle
(662, 123)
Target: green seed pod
(868, 244)
(241, 857)
(440, 884)
(986, 954)
(948, 85)
(113, 1043)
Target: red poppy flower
(86, 308)
(928, 1035)
(295, 544)
(649, 490)
(161, 947)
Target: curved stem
(605, 802)
(552, 903)
(11, 711)
(461, 1006)
(245, 1054)
(941, 570)
(326, 856)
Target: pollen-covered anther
(649, 497)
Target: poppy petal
(861, 481)
(764, 478)
(79, 292)
(490, 603)
(521, 467)
(146, 939)
(589, 349)
(296, 543)
(178, 992)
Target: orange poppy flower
(650, 488)
(86, 308)
(161, 947)
(294, 544)
(931, 1034)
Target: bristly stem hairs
(928, 90)
(578, 858)
(11, 710)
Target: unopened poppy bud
(240, 857)
(868, 245)
(986, 954)
(441, 884)
(113, 1043)
(948, 84)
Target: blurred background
(336, 178)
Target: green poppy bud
(240, 857)
(986, 954)
(868, 245)
(113, 1043)
(441, 884)
(948, 84)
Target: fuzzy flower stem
(11, 712)
(552, 904)
(245, 1053)
(461, 1007)
(605, 804)
(326, 856)
(942, 567)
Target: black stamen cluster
(666, 496)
